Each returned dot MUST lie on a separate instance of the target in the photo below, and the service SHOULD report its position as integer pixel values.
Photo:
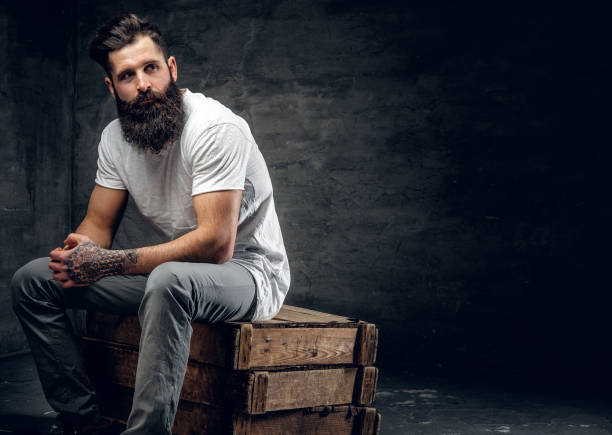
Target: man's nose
(143, 83)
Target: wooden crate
(193, 418)
(295, 337)
(303, 372)
(251, 392)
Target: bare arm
(211, 242)
(106, 206)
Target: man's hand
(82, 262)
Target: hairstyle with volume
(119, 32)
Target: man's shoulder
(112, 131)
(203, 112)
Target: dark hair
(119, 32)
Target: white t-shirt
(216, 151)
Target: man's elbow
(224, 253)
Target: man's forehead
(142, 50)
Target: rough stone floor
(412, 405)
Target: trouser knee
(27, 283)
(164, 288)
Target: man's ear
(173, 68)
(109, 84)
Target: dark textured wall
(36, 141)
(440, 168)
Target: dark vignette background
(440, 168)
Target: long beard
(154, 124)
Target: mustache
(136, 105)
(151, 120)
(147, 95)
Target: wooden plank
(308, 388)
(270, 322)
(251, 392)
(213, 344)
(332, 421)
(377, 424)
(305, 318)
(206, 384)
(209, 343)
(302, 346)
(257, 400)
(293, 314)
(240, 425)
(375, 346)
(365, 388)
(296, 315)
(369, 422)
(243, 355)
(367, 343)
(331, 317)
(193, 418)
(111, 363)
(97, 323)
(121, 329)
(241, 346)
(117, 366)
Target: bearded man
(195, 171)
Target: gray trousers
(166, 301)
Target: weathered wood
(209, 343)
(367, 342)
(213, 344)
(245, 344)
(307, 388)
(193, 418)
(365, 389)
(257, 400)
(369, 421)
(117, 364)
(302, 346)
(293, 314)
(305, 338)
(331, 421)
(250, 378)
(297, 317)
(121, 329)
(250, 392)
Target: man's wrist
(130, 260)
(89, 263)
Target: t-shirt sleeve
(107, 175)
(219, 159)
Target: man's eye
(125, 76)
(151, 67)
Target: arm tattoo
(89, 262)
(132, 255)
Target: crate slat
(308, 346)
(262, 345)
(251, 392)
(193, 418)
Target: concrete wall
(36, 97)
(439, 168)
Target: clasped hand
(78, 264)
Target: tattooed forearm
(89, 262)
(131, 255)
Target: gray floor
(409, 404)
(427, 406)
